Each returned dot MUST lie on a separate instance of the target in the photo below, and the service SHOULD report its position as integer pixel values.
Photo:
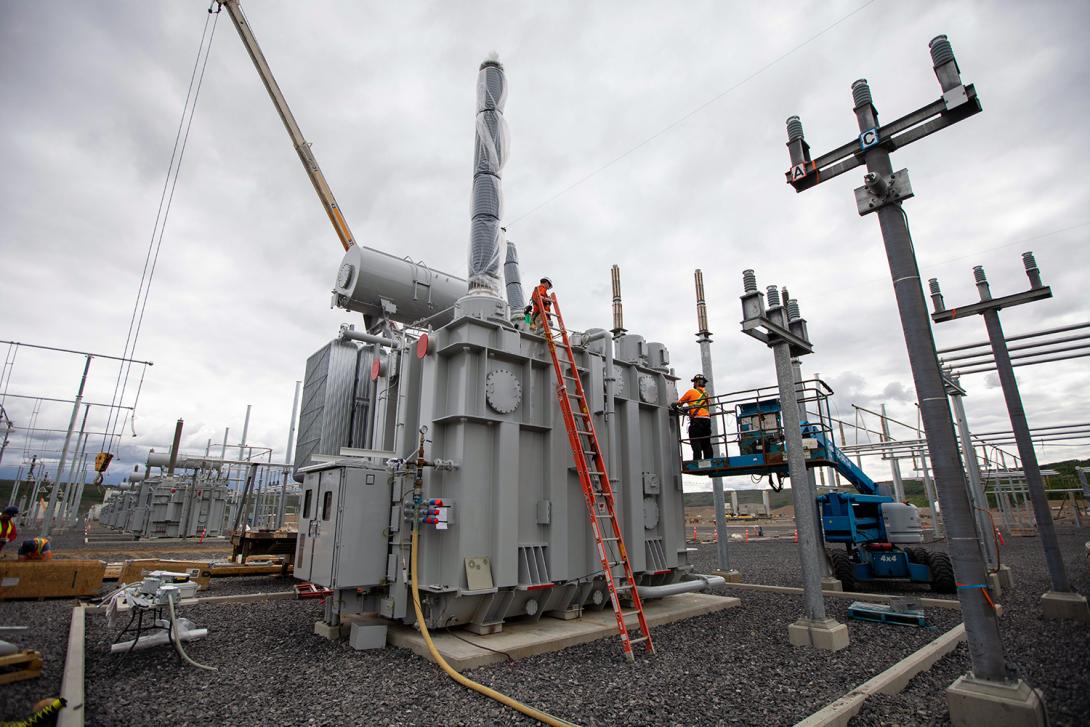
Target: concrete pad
(950, 603)
(72, 679)
(976, 702)
(1061, 604)
(520, 639)
(891, 681)
(826, 634)
(367, 634)
(831, 584)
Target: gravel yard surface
(1053, 656)
(731, 667)
(48, 634)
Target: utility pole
(1061, 601)
(782, 328)
(47, 524)
(988, 689)
(984, 526)
(704, 340)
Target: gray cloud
(385, 92)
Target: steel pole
(47, 524)
(245, 430)
(801, 493)
(704, 340)
(285, 476)
(894, 463)
(981, 622)
(976, 490)
(1030, 469)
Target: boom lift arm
(302, 146)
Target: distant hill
(914, 490)
(92, 494)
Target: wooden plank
(72, 680)
(50, 578)
(31, 661)
(135, 570)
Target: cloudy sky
(648, 134)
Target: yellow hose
(537, 714)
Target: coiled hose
(503, 699)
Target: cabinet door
(304, 551)
(323, 528)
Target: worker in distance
(694, 403)
(8, 533)
(36, 549)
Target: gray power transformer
(511, 535)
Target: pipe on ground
(698, 582)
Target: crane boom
(302, 146)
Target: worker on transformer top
(694, 403)
(8, 532)
(541, 291)
(35, 549)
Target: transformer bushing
(490, 154)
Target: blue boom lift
(873, 528)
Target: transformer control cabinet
(343, 525)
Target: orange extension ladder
(591, 466)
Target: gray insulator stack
(513, 278)
(490, 154)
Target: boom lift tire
(942, 573)
(918, 555)
(843, 568)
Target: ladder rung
(637, 640)
(626, 587)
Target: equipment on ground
(148, 625)
(898, 612)
(873, 527)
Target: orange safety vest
(698, 408)
(543, 293)
(7, 530)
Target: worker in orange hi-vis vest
(8, 533)
(694, 402)
(35, 549)
(541, 290)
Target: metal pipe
(291, 444)
(174, 447)
(1020, 337)
(1023, 347)
(699, 582)
(894, 465)
(350, 334)
(961, 372)
(48, 522)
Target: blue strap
(974, 585)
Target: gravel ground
(731, 667)
(48, 633)
(1050, 655)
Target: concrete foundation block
(327, 631)
(1005, 578)
(831, 584)
(367, 634)
(976, 702)
(994, 585)
(1060, 604)
(730, 576)
(826, 634)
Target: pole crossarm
(955, 105)
(1007, 301)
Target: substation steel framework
(882, 194)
